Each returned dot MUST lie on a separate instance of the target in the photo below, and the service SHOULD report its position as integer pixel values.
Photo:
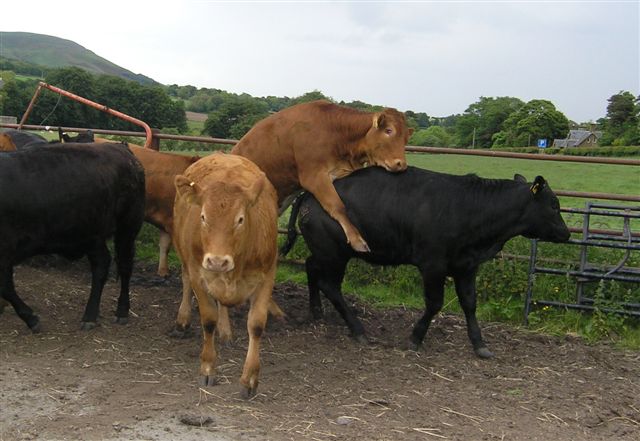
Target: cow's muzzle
(221, 264)
(395, 165)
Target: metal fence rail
(586, 272)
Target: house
(579, 138)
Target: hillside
(48, 51)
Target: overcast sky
(436, 57)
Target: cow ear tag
(535, 187)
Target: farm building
(579, 138)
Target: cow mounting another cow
(444, 225)
(308, 145)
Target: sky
(436, 57)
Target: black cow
(80, 137)
(23, 140)
(445, 225)
(68, 199)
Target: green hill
(48, 51)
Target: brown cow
(311, 144)
(6, 143)
(225, 232)
(160, 170)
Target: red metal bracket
(89, 103)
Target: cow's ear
(186, 188)
(255, 190)
(519, 178)
(378, 121)
(538, 184)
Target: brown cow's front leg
(322, 188)
(208, 319)
(255, 326)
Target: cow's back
(58, 199)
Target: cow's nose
(221, 264)
(396, 165)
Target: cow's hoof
(361, 339)
(88, 326)
(483, 352)
(208, 380)
(360, 246)
(181, 332)
(35, 325)
(121, 320)
(413, 346)
(248, 392)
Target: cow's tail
(292, 233)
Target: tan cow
(225, 233)
(160, 170)
(6, 143)
(311, 144)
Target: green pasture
(502, 282)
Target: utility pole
(473, 142)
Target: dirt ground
(134, 382)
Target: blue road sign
(542, 143)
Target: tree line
(151, 104)
(486, 123)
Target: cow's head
(224, 221)
(85, 137)
(386, 140)
(542, 217)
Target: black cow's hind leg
(125, 252)
(8, 293)
(433, 298)
(100, 259)
(330, 282)
(466, 291)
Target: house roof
(576, 137)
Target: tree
(434, 136)
(484, 118)
(235, 117)
(538, 119)
(621, 123)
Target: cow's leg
(224, 326)
(322, 188)
(433, 299)
(466, 291)
(164, 247)
(275, 311)
(330, 282)
(183, 320)
(208, 320)
(315, 303)
(8, 294)
(125, 248)
(100, 259)
(255, 327)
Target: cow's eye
(240, 220)
(202, 219)
(388, 131)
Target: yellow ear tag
(535, 188)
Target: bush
(576, 151)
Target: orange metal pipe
(89, 103)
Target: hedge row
(576, 151)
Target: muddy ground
(134, 382)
